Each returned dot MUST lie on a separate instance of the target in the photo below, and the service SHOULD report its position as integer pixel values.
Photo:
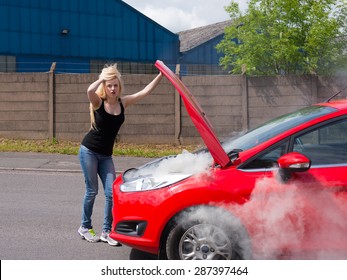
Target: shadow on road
(140, 255)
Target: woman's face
(112, 88)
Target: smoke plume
(295, 221)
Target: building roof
(192, 38)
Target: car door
(326, 146)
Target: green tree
(280, 37)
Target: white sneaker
(88, 234)
(105, 237)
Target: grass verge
(71, 148)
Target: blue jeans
(94, 164)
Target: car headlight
(147, 183)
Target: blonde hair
(109, 72)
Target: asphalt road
(40, 213)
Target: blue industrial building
(198, 52)
(80, 35)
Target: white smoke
(185, 163)
(284, 219)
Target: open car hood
(198, 116)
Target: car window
(267, 159)
(275, 127)
(324, 145)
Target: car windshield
(274, 127)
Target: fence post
(178, 117)
(51, 131)
(244, 102)
(314, 89)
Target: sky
(180, 15)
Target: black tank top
(101, 137)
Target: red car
(277, 191)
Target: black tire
(207, 233)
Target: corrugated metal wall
(203, 59)
(204, 54)
(32, 30)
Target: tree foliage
(279, 37)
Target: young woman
(107, 115)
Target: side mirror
(291, 163)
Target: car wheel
(207, 234)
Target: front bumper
(140, 217)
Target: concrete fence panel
(24, 105)
(49, 105)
